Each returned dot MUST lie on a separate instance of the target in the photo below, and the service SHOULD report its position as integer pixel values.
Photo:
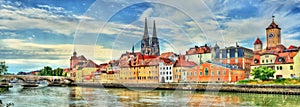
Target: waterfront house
(285, 61)
(214, 72)
(180, 69)
(166, 63)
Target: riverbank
(239, 88)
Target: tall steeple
(146, 35)
(155, 43)
(154, 30)
(145, 40)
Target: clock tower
(273, 35)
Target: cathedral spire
(154, 30)
(146, 35)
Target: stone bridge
(50, 79)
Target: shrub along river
(82, 96)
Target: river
(108, 97)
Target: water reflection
(106, 97)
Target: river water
(108, 97)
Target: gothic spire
(154, 30)
(146, 35)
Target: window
(277, 67)
(271, 61)
(280, 67)
(167, 78)
(191, 73)
(219, 73)
(170, 68)
(170, 73)
(200, 74)
(206, 71)
(291, 67)
(167, 68)
(263, 61)
(170, 78)
(267, 61)
(224, 72)
(212, 73)
(195, 73)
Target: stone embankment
(245, 88)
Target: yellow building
(180, 69)
(282, 63)
(85, 72)
(297, 64)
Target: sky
(38, 33)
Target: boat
(43, 83)
(30, 83)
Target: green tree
(46, 71)
(263, 73)
(3, 68)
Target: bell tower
(273, 34)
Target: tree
(263, 73)
(46, 71)
(3, 68)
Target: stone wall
(263, 89)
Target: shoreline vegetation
(281, 81)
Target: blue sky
(36, 33)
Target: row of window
(165, 68)
(140, 72)
(206, 73)
(168, 77)
(139, 67)
(163, 73)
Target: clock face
(271, 35)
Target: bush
(246, 81)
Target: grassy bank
(282, 81)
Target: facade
(209, 72)
(297, 64)
(147, 47)
(199, 54)
(239, 56)
(166, 64)
(284, 61)
(180, 69)
(138, 68)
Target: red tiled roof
(166, 54)
(90, 63)
(255, 57)
(82, 58)
(184, 63)
(287, 57)
(273, 25)
(257, 41)
(198, 50)
(291, 47)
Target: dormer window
(280, 59)
(255, 61)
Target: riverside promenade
(240, 88)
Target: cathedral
(150, 47)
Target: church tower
(273, 35)
(145, 40)
(258, 45)
(155, 43)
